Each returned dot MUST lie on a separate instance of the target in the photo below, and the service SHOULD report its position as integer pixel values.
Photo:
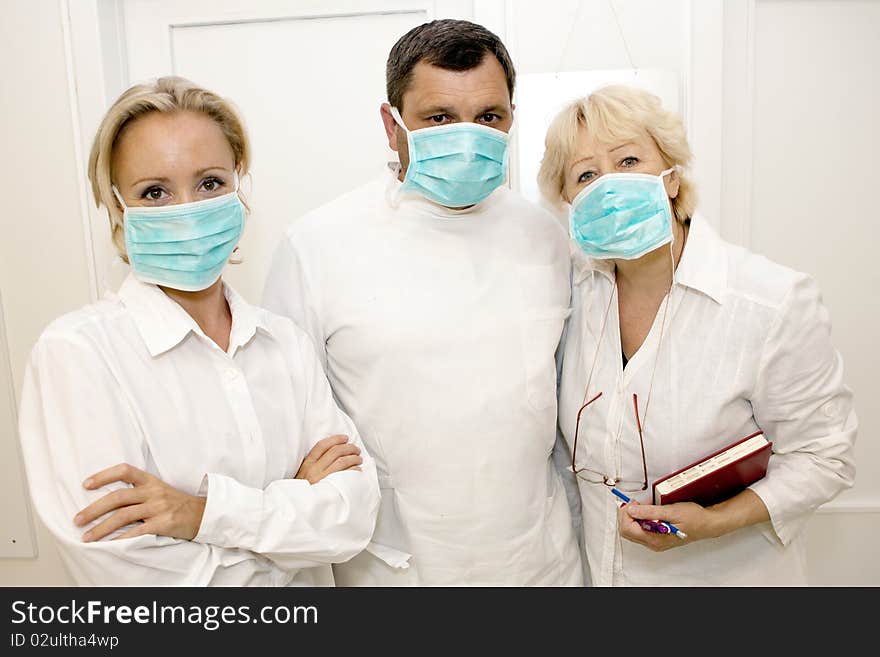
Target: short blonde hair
(611, 113)
(166, 94)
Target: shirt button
(830, 409)
(231, 374)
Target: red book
(719, 475)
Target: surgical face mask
(455, 165)
(186, 246)
(622, 215)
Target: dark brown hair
(451, 44)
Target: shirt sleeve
(805, 409)
(73, 423)
(292, 520)
(289, 292)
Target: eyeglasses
(596, 477)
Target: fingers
(121, 472)
(337, 452)
(646, 511)
(115, 521)
(344, 463)
(138, 530)
(115, 500)
(323, 445)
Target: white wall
(43, 270)
(815, 135)
(781, 112)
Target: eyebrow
(160, 179)
(439, 109)
(592, 157)
(436, 109)
(583, 159)
(623, 145)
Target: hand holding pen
(656, 526)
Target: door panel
(308, 81)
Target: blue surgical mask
(456, 164)
(622, 215)
(185, 246)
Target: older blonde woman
(680, 343)
(195, 430)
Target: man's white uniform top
(438, 330)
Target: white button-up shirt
(438, 329)
(746, 346)
(133, 379)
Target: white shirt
(438, 330)
(133, 379)
(746, 346)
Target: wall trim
(81, 159)
(738, 74)
(849, 507)
(702, 100)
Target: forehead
(483, 85)
(596, 143)
(171, 142)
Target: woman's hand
(741, 510)
(692, 519)
(160, 508)
(332, 454)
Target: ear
(672, 182)
(390, 124)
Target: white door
(308, 78)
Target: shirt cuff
(782, 527)
(391, 556)
(232, 513)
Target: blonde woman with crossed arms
(174, 434)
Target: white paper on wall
(540, 96)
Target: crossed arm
(163, 510)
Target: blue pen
(669, 526)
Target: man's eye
(490, 118)
(437, 118)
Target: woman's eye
(586, 176)
(153, 194)
(212, 184)
(628, 162)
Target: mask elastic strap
(397, 118)
(666, 303)
(119, 198)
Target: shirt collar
(395, 198)
(163, 324)
(703, 265)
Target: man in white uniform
(436, 298)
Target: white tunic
(746, 345)
(438, 330)
(133, 379)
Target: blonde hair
(612, 113)
(166, 94)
